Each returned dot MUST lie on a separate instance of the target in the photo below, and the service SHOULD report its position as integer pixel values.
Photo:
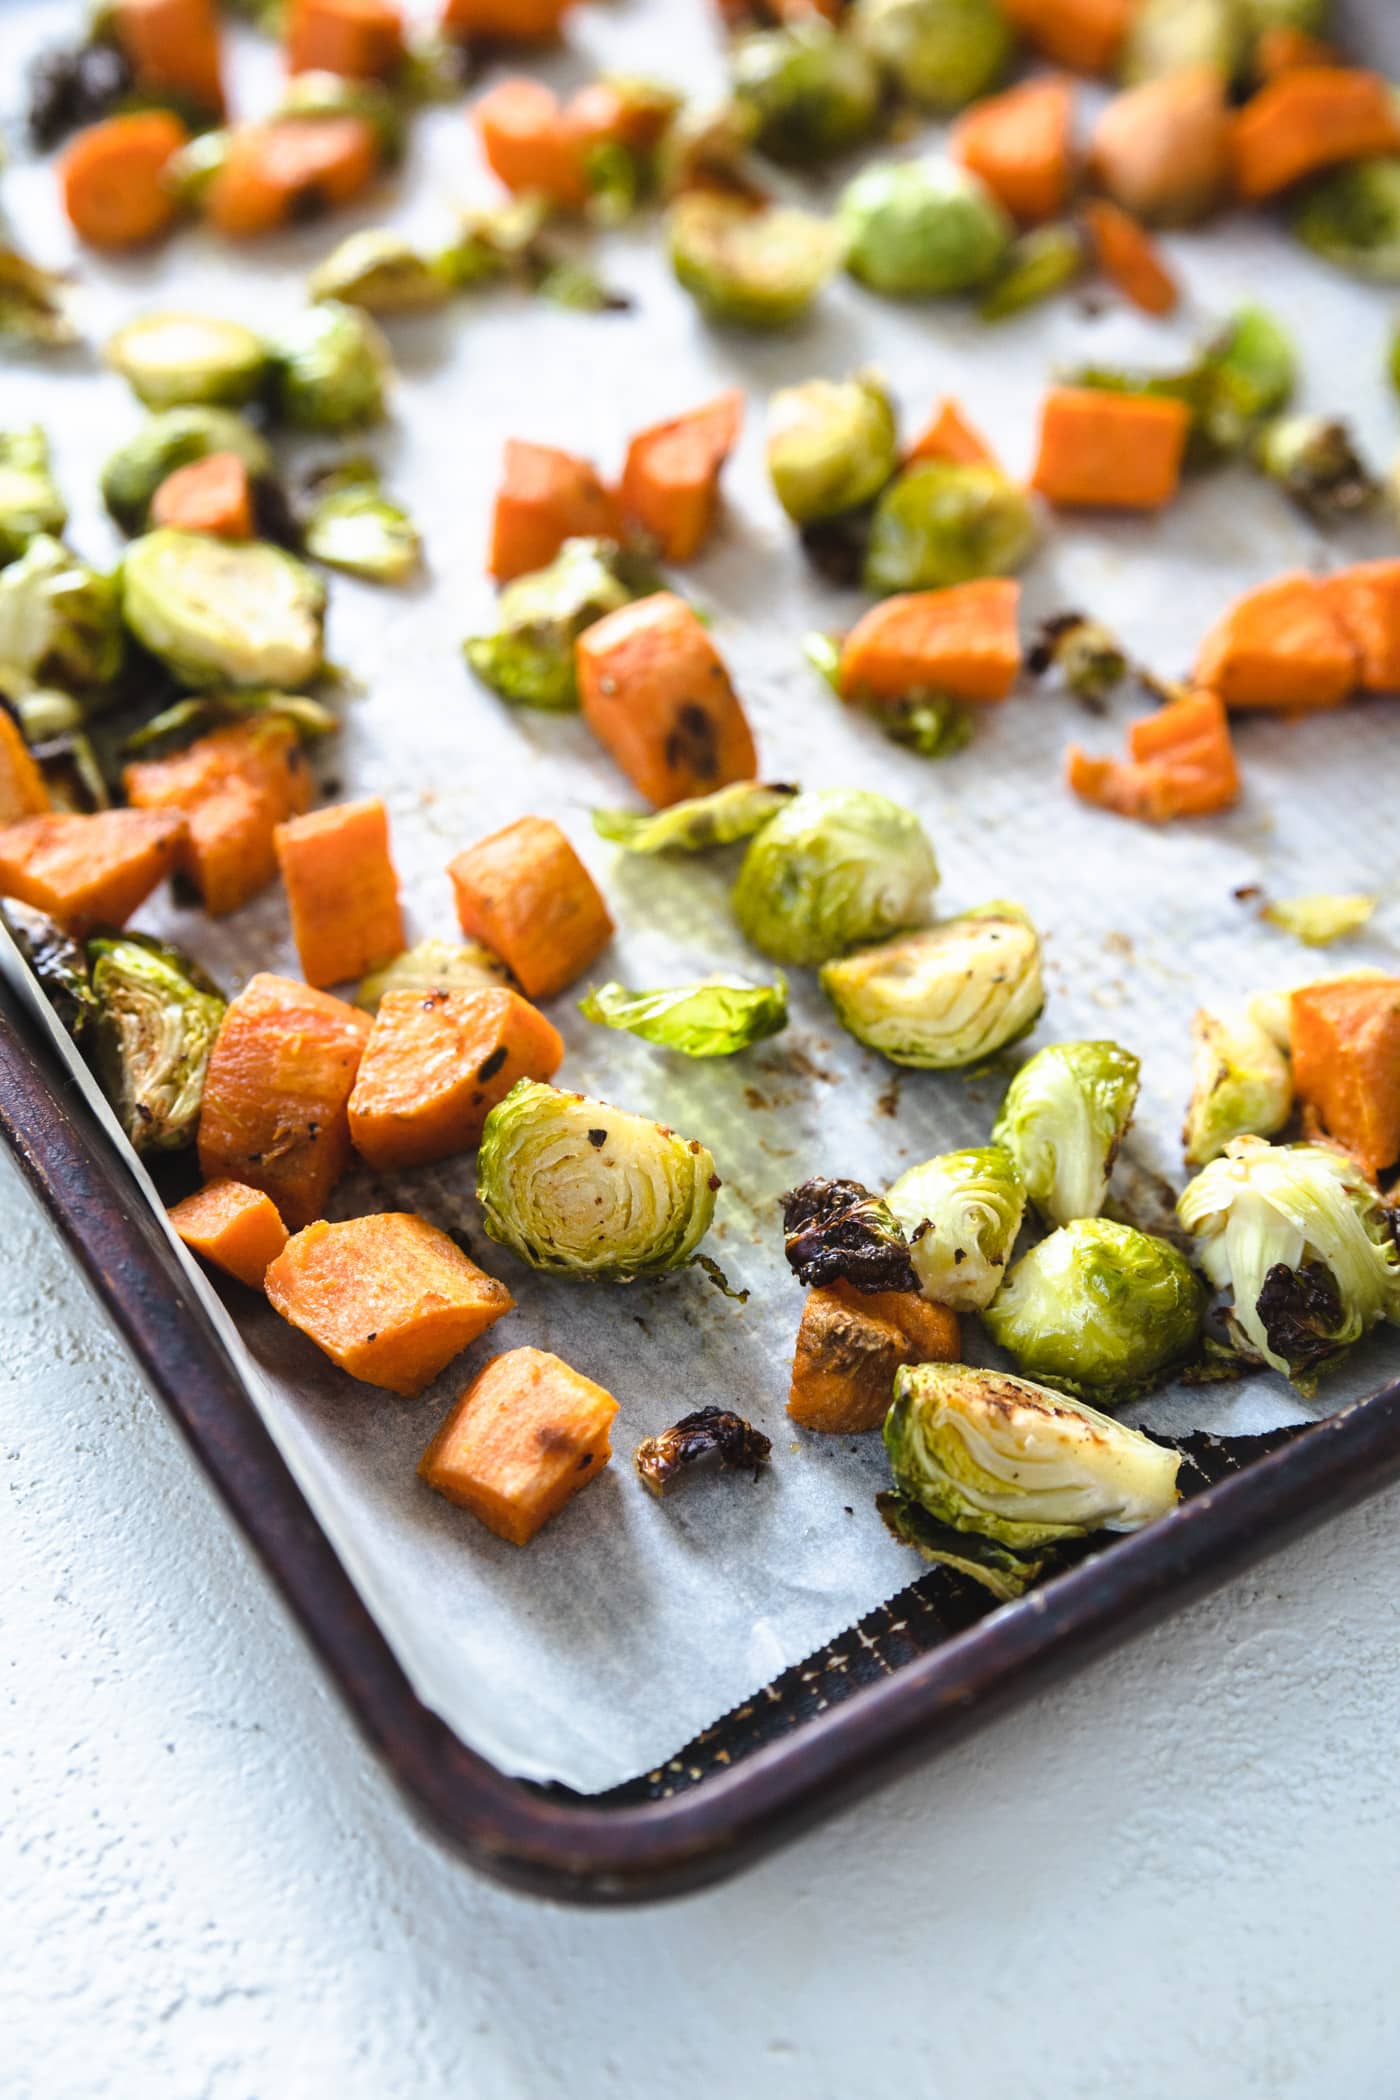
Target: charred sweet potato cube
(238, 1229)
(849, 1346)
(656, 694)
(435, 1066)
(527, 895)
(89, 871)
(1345, 1039)
(235, 787)
(525, 1436)
(342, 890)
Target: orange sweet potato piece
(545, 497)
(670, 480)
(214, 494)
(933, 1332)
(172, 46)
(1129, 257)
(844, 1364)
(389, 1298)
(1366, 601)
(238, 1229)
(1345, 1038)
(362, 39)
(1021, 144)
(275, 1099)
(529, 144)
(280, 171)
(1283, 646)
(111, 177)
(527, 895)
(1084, 35)
(949, 435)
(525, 1436)
(341, 888)
(961, 641)
(22, 789)
(1280, 49)
(600, 114)
(655, 693)
(235, 786)
(515, 21)
(436, 1065)
(89, 871)
(1311, 118)
(1109, 451)
(1181, 763)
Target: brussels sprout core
(171, 360)
(918, 228)
(157, 1017)
(834, 868)
(832, 445)
(219, 613)
(838, 1232)
(1062, 1120)
(960, 1214)
(950, 995)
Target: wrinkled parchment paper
(628, 1625)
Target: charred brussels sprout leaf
(1063, 1119)
(189, 360)
(59, 964)
(1315, 462)
(714, 1018)
(353, 525)
(33, 304)
(1323, 917)
(175, 439)
(1089, 661)
(943, 522)
(1242, 1085)
(811, 92)
(920, 228)
(699, 824)
(950, 995)
(435, 966)
(942, 54)
(832, 445)
(579, 1189)
(747, 266)
(960, 1214)
(929, 723)
(1352, 218)
(331, 369)
(709, 1433)
(157, 1017)
(222, 613)
(380, 271)
(833, 869)
(1000, 1569)
(838, 1232)
(60, 623)
(29, 499)
(530, 657)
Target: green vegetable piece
(580, 290)
(219, 613)
(45, 713)
(157, 1017)
(73, 774)
(941, 54)
(960, 1214)
(33, 304)
(1351, 216)
(1323, 917)
(59, 964)
(837, 867)
(942, 522)
(920, 228)
(1303, 1242)
(1316, 464)
(838, 1232)
(29, 498)
(177, 360)
(1244, 375)
(715, 1018)
(812, 93)
(1165, 35)
(1242, 1085)
(832, 445)
(1098, 1310)
(951, 995)
(929, 723)
(530, 657)
(338, 95)
(191, 169)
(747, 267)
(502, 241)
(184, 719)
(699, 824)
(353, 525)
(1037, 265)
(331, 369)
(1000, 1570)
(1089, 661)
(1063, 1119)
(379, 270)
(60, 623)
(170, 440)
(435, 966)
(579, 1189)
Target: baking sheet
(627, 1625)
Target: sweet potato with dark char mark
(89, 871)
(961, 641)
(849, 1346)
(1345, 1040)
(527, 1434)
(655, 693)
(526, 894)
(435, 1066)
(236, 1228)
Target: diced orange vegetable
(238, 1229)
(528, 142)
(933, 1332)
(1283, 646)
(1110, 451)
(278, 172)
(1022, 145)
(276, 1094)
(389, 1298)
(1345, 1039)
(601, 114)
(435, 1066)
(525, 1436)
(362, 39)
(235, 787)
(342, 890)
(949, 435)
(172, 46)
(1181, 763)
(22, 789)
(1280, 49)
(527, 895)
(89, 871)
(214, 494)
(1164, 151)
(849, 1346)
(961, 641)
(1311, 118)
(112, 179)
(670, 481)
(1366, 600)
(655, 692)
(515, 21)
(1084, 35)
(1127, 255)
(545, 498)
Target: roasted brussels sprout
(1316, 464)
(941, 54)
(157, 1017)
(60, 623)
(811, 92)
(1165, 36)
(943, 522)
(1301, 1239)
(699, 824)
(579, 1189)
(353, 525)
(1090, 661)
(193, 714)
(1244, 375)
(189, 360)
(530, 657)
(834, 868)
(29, 499)
(72, 770)
(59, 964)
(747, 266)
(1351, 216)
(33, 303)
(960, 1214)
(916, 228)
(332, 95)
(711, 1432)
(715, 1018)
(947, 996)
(1242, 1085)
(136, 469)
(1063, 1118)
(379, 270)
(331, 369)
(219, 612)
(832, 445)
(1323, 917)
(1037, 265)
(435, 966)
(838, 1232)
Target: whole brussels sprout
(435, 966)
(836, 867)
(1242, 1085)
(943, 522)
(1165, 36)
(1303, 1242)
(29, 498)
(1352, 217)
(832, 445)
(219, 612)
(947, 996)
(379, 270)
(178, 360)
(941, 54)
(700, 823)
(530, 657)
(579, 1189)
(353, 525)
(1063, 1118)
(331, 369)
(170, 440)
(960, 1214)
(157, 1017)
(60, 623)
(750, 267)
(810, 91)
(917, 228)
(715, 1018)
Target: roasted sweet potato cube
(949, 435)
(961, 641)
(213, 495)
(235, 787)
(545, 497)
(527, 895)
(1084, 35)
(88, 871)
(1366, 601)
(1308, 118)
(362, 39)
(670, 478)
(656, 694)
(1282, 646)
(525, 1436)
(238, 1229)
(341, 889)
(435, 1066)
(1345, 1038)
(843, 1366)
(932, 1332)
(172, 47)
(22, 789)
(1109, 451)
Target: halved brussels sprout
(59, 964)
(580, 1189)
(189, 360)
(1242, 1085)
(747, 266)
(1301, 1239)
(714, 1018)
(353, 525)
(943, 522)
(331, 369)
(918, 228)
(379, 270)
(1164, 36)
(1038, 264)
(318, 94)
(435, 966)
(174, 439)
(530, 657)
(811, 92)
(157, 1017)
(1090, 661)
(960, 1214)
(33, 303)
(1315, 462)
(832, 445)
(1351, 216)
(1099, 1310)
(942, 54)
(192, 715)
(60, 623)
(947, 996)
(219, 612)
(29, 498)
(700, 823)
(834, 868)
(1323, 917)
(838, 1232)
(502, 240)
(1063, 1118)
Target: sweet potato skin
(234, 787)
(932, 1332)
(437, 1064)
(525, 1436)
(87, 871)
(1020, 143)
(526, 894)
(961, 641)
(22, 789)
(1109, 451)
(843, 1366)
(1345, 1040)
(1282, 646)
(655, 693)
(670, 479)
(342, 890)
(236, 1228)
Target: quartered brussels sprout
(811, 92)
(1063, 1118)
(832, 445)
(580, 1189)
(59, 964)
(915, 228)
(941, 54)
(530, 657)
(747, 266)
(435, 966)
(834, 868)
(1038, 264)
(1351, 216)
(175, 439)
(1315, 462)
(182, 360)
(700, 823)
(29, 498)
(221, 613)
(838, 1232)
(1301, 1239)
(946, 996)
(353, 525)
(960, 1214)
(1242, 1085)
(33, 303)
(1323, 917)
(1165, 36)
(331, 369)
(943, 522)
(60, 623)
(714, 1018)
(157, 1017)
(379, 270)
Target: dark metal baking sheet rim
(548, 1841)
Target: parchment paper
(629, 1625)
